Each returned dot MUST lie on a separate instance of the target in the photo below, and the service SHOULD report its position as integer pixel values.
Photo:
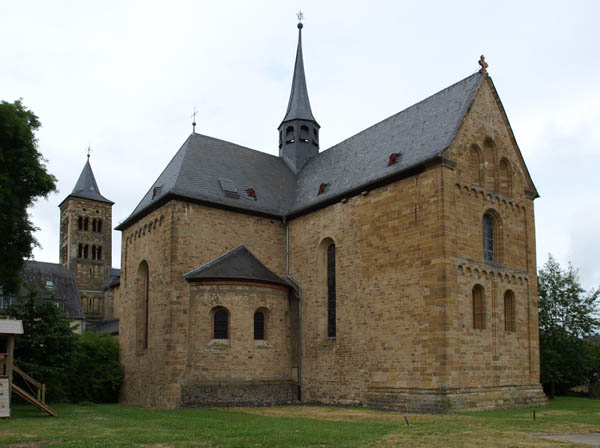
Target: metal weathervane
(89, 151)
(193, 116)
(300, 16)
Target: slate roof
(114, 279)
(299, 104)
(62, 286)
(86, 186)
(420, 134)
(237, 264)
(110, 326)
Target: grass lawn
(292, 426)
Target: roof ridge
(246, 148)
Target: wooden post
(9, 363)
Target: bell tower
(85, 240)
(299, 131)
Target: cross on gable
(483, 64)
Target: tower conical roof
(299, 104)
(86, 186)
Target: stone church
(395, 269)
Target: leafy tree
(97, 373)
(23, 179)
(566, 314)
(47, 347)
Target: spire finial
(300, 16)
(194, 122)
(483, 64)
(89, 151)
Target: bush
(96, 373)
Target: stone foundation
(247, 393)
(454, 400)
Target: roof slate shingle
(420, 133)
(237, 264)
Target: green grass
(293, 426)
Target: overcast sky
(125, 76)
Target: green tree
(23, 179)
(566, 314)
(96, 374)
(47, 348)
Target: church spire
(299, 131)
(86, 186)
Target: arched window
(91, 271)
(86, 223)
(509, 311)
(220, 324)
(331, 308)
(490, 163)
(488, 237)
(504, 177)
(304, 133)
(80, 250)
(80, 223)
(85, 251)
(142, 305)
(99, 253)
(93, 252)
(316, 137)
(289, 134)
(474, 165)
(259, 326)
(99, 225)
(478, 307)
(93, 225)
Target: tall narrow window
(331, 291)
(99, 253)
(99, 225)
(80, 223)
(93, 225)
(504, 177)
(509, 311)
(86, 223)
(146, 307)
(142, 306)
(259, 326)
(220, 324)
(85, 251)
(478, 308)
(80, 250)
(488, 237)
(304, 134)
(93, 252)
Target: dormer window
(393, 158)
(251, 193)
(156, 191)
(322, 188)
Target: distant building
(54, 283)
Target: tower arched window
(99, 253)
(259, 325)
(509, 311)
(316, 137)
(86, 224)
(85, 251)
(331, 292)
(221, 324)
(304, 134)
(80, 223)
(93, 252)
(478, 308)
(80, 250)
(93, 225)
(489, 235)
(289, 134)
(99, 225)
